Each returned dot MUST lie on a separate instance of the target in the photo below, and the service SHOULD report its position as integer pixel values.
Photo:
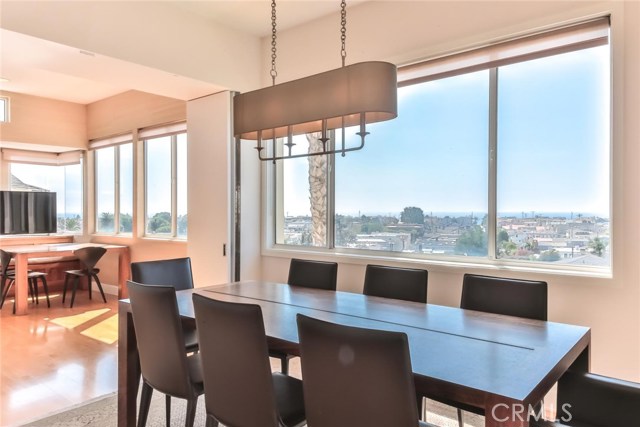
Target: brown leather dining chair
(407, 284)
(307, 274)
(164, 364)
(8, 278)
(240, 389)
(88, 258)
(499, 295)
(176, 273)
(356, 377)
(591, 400)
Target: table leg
(124, 267)
(128, 367)
(505, 413)
(21, 286)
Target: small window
(4, 109)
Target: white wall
(401, 32)
(209, 197)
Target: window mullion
(493, 164)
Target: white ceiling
(51, 70)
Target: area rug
(102, 412)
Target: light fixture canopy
(352, 95)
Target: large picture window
(505, 160)
(165, 151)
(65, 180)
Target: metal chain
(343, 30)
(273, 73)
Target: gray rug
(102, 412)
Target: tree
(412, 215)
(160, 223)
(503, 236)
(472, 242)
(106, 221)
(549, 256)
(182, 225)
(597, 246)
(126, 223)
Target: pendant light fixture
(353, 95)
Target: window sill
(443, 264)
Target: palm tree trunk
(317, 191)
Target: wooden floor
(54, 358)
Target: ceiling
(43, 68)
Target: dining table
(500, 364)
(22, 253)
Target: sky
(553, 145)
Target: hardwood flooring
(56, 357)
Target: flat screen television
(28, 212)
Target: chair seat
(82, 273)
(289, 399)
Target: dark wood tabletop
(493, 362)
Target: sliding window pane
(181, 141)
(420, 184)
(158, 186)
(125, 151)
(105, 190)
(553, 163)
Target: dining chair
(307, 274)
(240, 389)
(356, 377)
(499, 295)
(88, 258)
(8, 277)
(176, 273)
(164, 364)
(313, 274)
(591, 400)
(407, 284)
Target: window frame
(271, 175)
(174, 184)
(6, 117)
(116, 188)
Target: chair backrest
(156, 321)
(355, 377)
(590, 399)
(313, 274)
(408, 284)
(89, 256)
(235, 363)
(166, 272)
(511, 297)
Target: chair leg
(284, 364)
(191, 412)
(460, 422)
(35, 289)
(32, 292)
(7, 288)
(64, 288)
(211, 422)
(145, 401)
(89, 285)
(76, 279)
(46, 290)
(167, 409)
(95, 276)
